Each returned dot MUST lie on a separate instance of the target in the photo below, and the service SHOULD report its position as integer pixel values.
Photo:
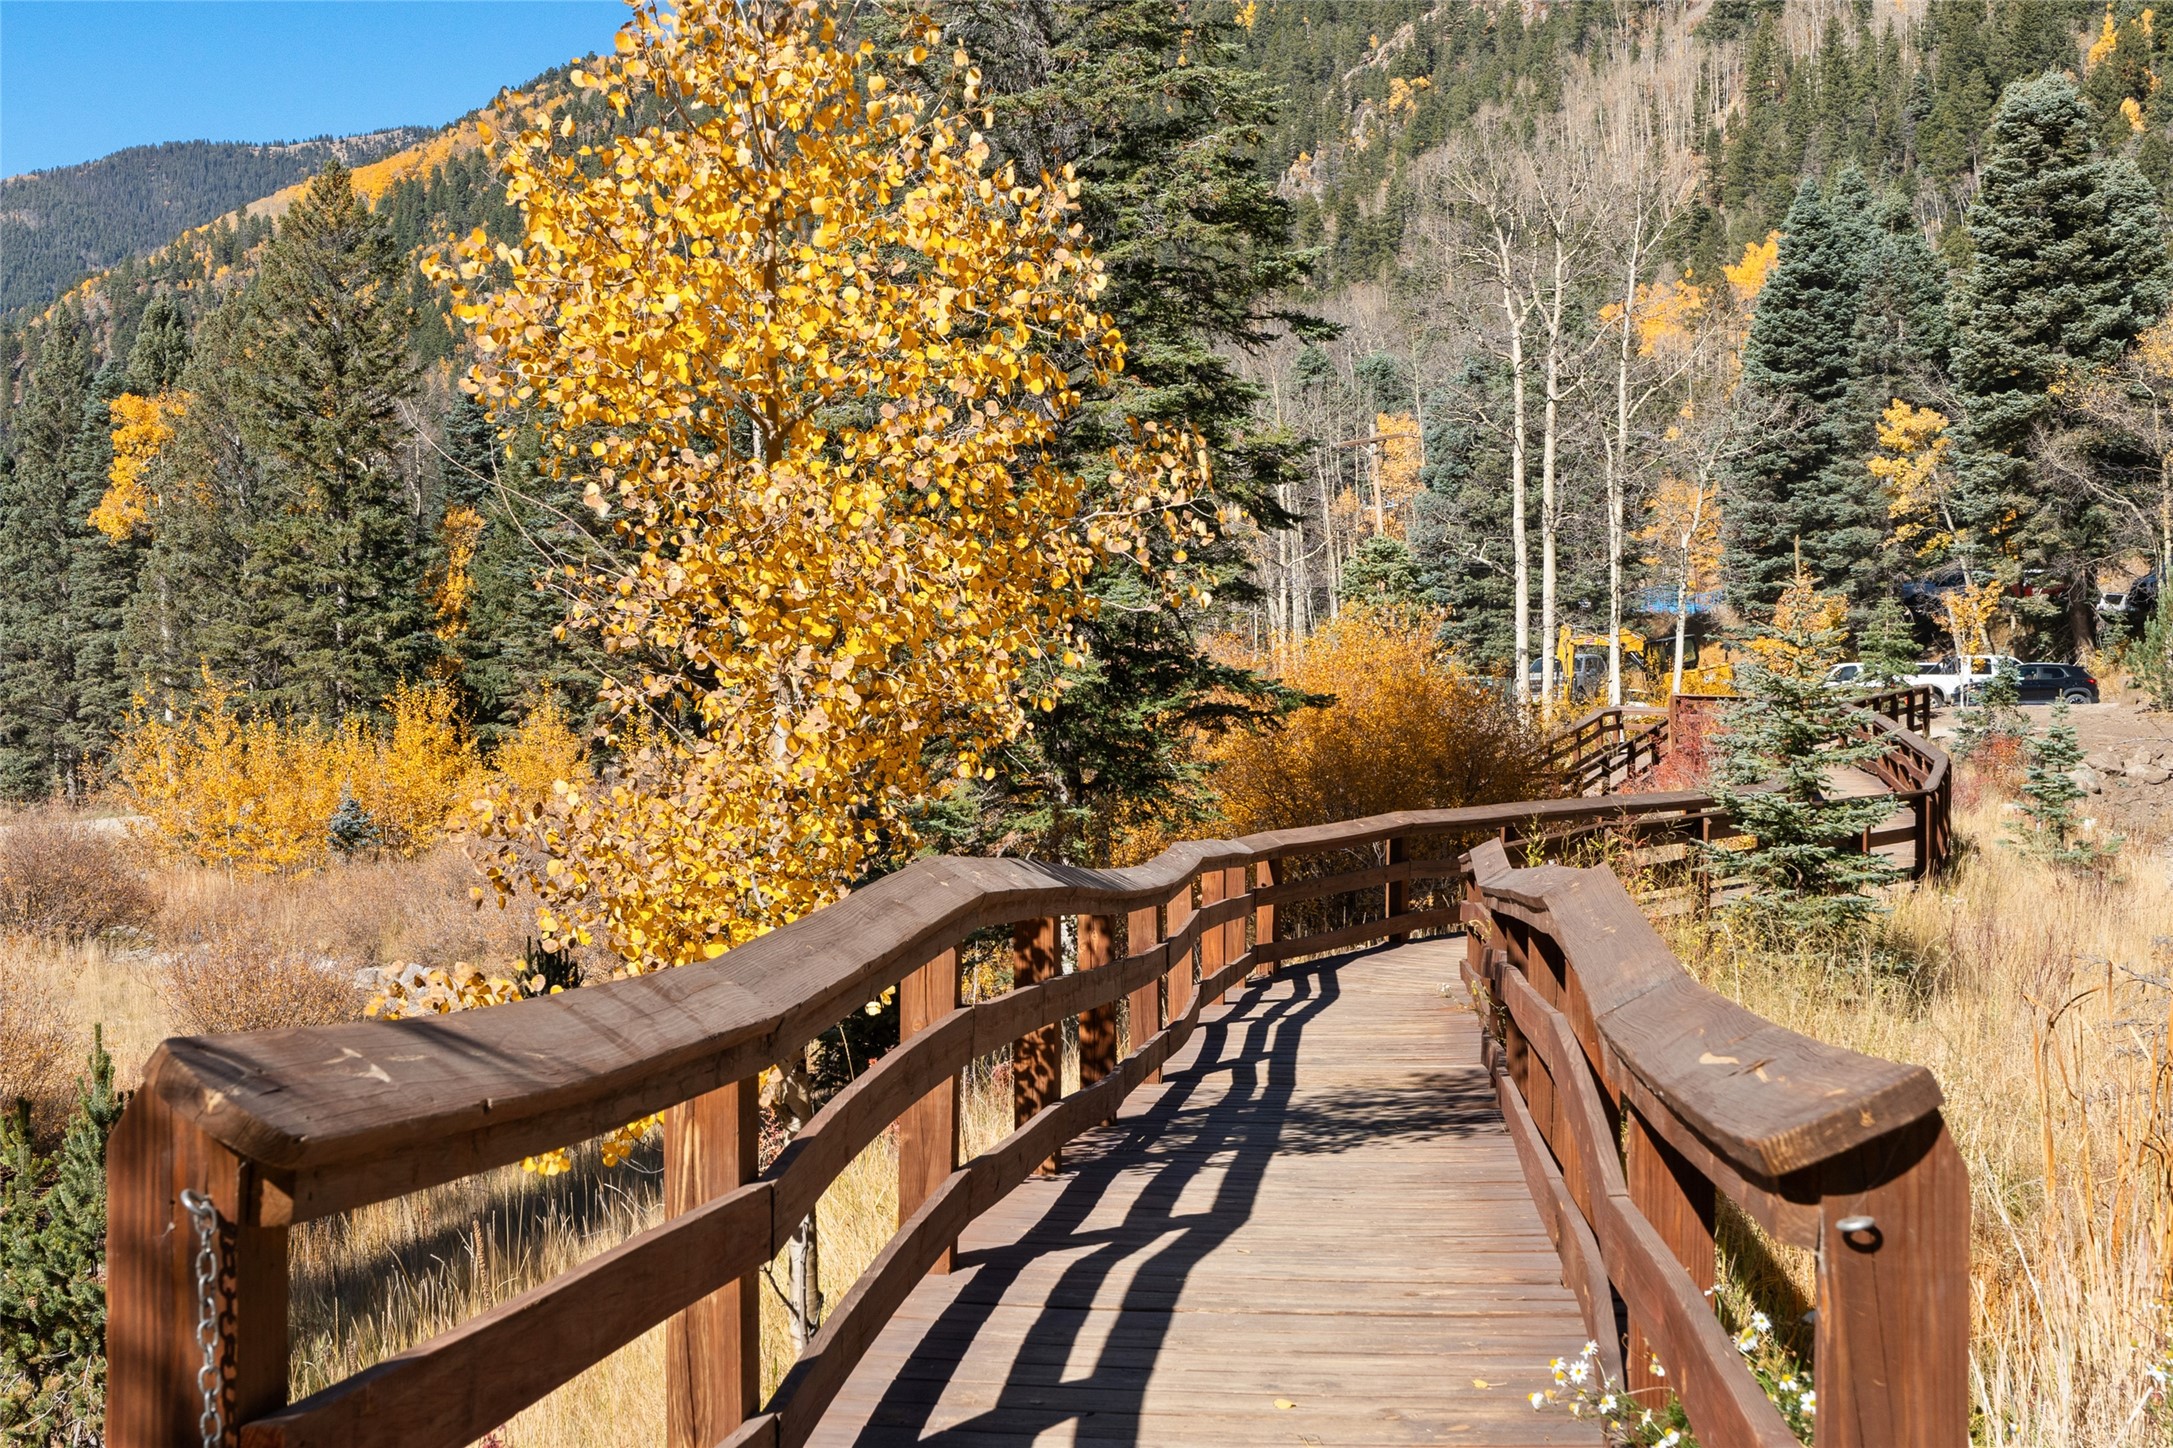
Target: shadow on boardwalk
(1065, 1304)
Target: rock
(2086, 779)
(2149, 774)
(2103, 760)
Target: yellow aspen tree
(807, 348)
(142, 427)
(1684, 535)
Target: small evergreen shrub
(2150, 656)
(1782, 744)
(52, 1269)
(350, 831)
(2049, 796)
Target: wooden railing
(1637, 1098)
(277, 1128)
(1604, 750)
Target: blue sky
(80, 78)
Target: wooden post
(713, 1350)
(1266, 929)
(1678, 1200)
(1097, 1027)
(1143, 930)
(928, 1130)
(1212, 937)
(1397, 893)
(1892, 1345)
(153, 1304)
(1037, 1058)
(1175, 915)
(1236, 884)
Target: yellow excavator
(1648, 667)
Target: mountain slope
(57, 226)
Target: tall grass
(2040, 999)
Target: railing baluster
(1037, 1058)
(153, 1302)
(1178, 984)
(1266, 928)
(1097, 1027)
(1234, 886)
(713, 1350)
(1396, 894)
(1212, 937)
(928, 1129)
(1142, 930)
(1679, 1201)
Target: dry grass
(66, 878)
(2040, 1000)
(375, 1281)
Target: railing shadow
(1229, 1112)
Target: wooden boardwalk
(1319, 1208)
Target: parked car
(1950, 677)
(2048, 684)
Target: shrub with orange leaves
(1407, 728)
(807, 344)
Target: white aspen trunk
(1618, 461)
(1520, 543)
(1373, 471)
(1547, 505)
(1327, 528)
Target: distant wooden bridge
(1391, 1114)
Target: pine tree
(511, 651)
(1904, 338)
(37, 665)
(1886, 644)
(2069, 266)
(52, 1263)
(1382, 574)
(1196, 245)
(2049, 797)
(1779, 749)
(323, 372)
(101, 576)
(161, 350)
(199, 598)
(1802, 483)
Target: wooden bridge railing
(1604, 750)
(1637, 1097)
(264, 1131)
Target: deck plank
(1319, 1206)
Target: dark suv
(2050, 684)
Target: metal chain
(212, 1424)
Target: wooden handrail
(1636, 1095)
(281, 1127)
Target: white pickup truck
(1949, 676)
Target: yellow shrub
(257, 794)
(1409, 729)
(544, 751)
(412, 780)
